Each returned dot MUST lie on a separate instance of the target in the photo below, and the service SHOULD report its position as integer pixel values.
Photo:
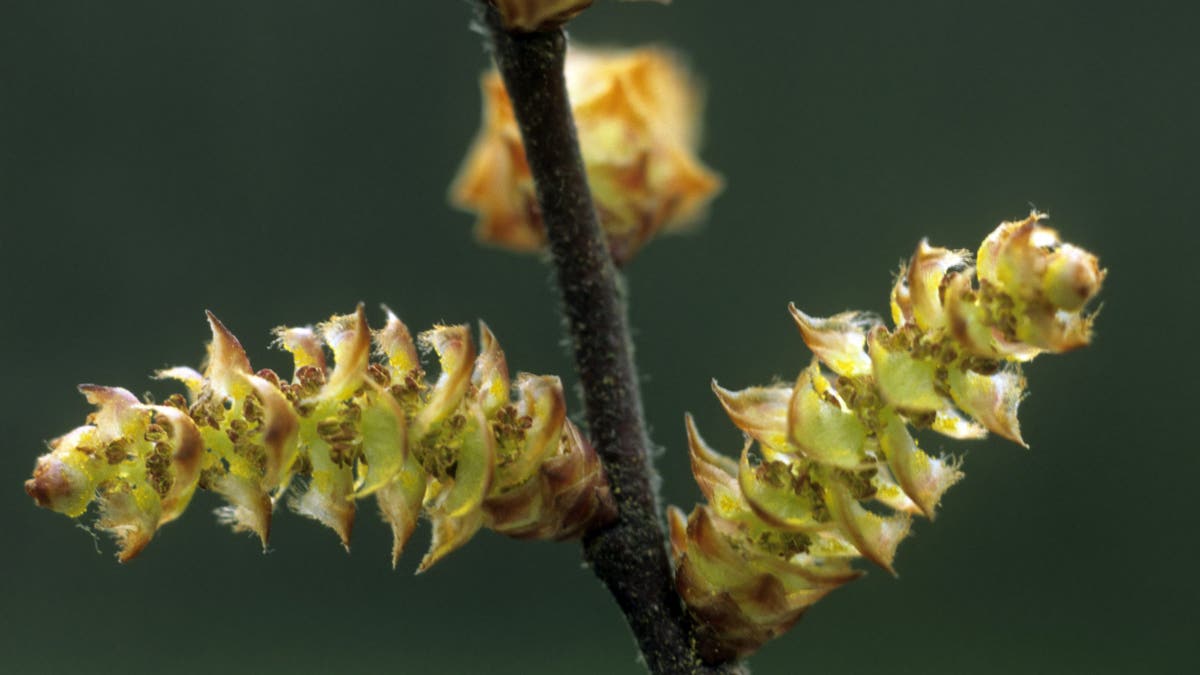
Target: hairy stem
(629, 555)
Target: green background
(280, 161)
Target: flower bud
(1034, 287)
(1072, 278)
(59, 486)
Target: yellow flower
(636, 112)
(837, 474)
(458, 449)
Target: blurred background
(277, 162)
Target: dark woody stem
(628, 555)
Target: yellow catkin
(835, 473)
(470, 449)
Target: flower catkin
(830, 471)
(458, 449)
(636, 112)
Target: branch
(629, 555)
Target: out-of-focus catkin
(830, 471)
(637, 115)
(458, 449)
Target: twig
(629, 555)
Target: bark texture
(629, 555)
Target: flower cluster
(458, 448)
(636, 114)
(837, 473)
